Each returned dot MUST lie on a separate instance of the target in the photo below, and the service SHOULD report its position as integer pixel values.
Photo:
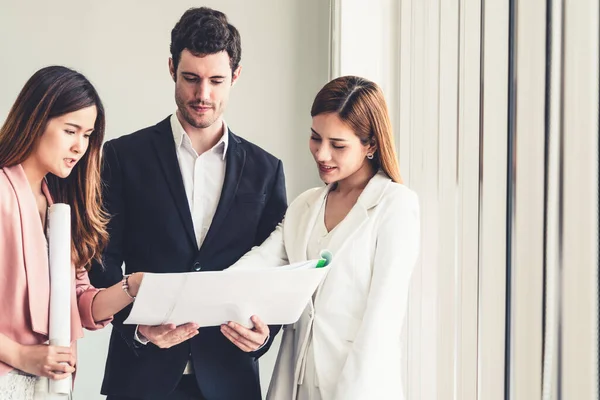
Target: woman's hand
(53, 362)
(134, 281)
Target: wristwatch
(125, 286)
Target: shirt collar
(180, 135)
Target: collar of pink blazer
(35, 253)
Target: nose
(323, 154)
(203, 91)
(80, 144)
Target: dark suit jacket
(151, 231)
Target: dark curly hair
(205, 31)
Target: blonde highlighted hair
(360, 103)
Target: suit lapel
(164, 145)
(352, 223)
(309, 212)
(359, 214)
(236, 160)
(368, 199)
(347, 228)
(35, 250)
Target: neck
(35, 175)
(356, 181)
(202, 139)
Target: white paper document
(277, 295)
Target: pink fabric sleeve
(85, 296)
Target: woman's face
(336, 148)
(64, 142)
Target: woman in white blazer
(347, 342)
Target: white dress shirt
(203, 176)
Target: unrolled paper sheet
(278, 295)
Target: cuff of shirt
(141, 338)
(263, 345)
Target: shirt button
(197, 266)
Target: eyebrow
(198, 76)
(77, 126)
(332, 139)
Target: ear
(372, 147)
(172, 70)
(236, 74)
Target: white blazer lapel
(359, 214)
(346, 228)
(305, 222)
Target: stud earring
(370, 156)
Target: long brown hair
(360, 104)
(49, 93)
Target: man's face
(202, 86)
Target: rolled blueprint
(59, 244)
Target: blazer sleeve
(110, 271)
(373, 366)
(85, 293)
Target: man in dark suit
(188, 195)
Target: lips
(70, 162)
(199, 108)
(326, 168)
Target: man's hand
(247, 340)
(168, 335)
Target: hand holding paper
(246, 339)
(168, 335)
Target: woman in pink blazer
(50, 151)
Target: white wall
(369, 43)
(123, 48)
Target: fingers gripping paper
(59, 245)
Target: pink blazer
(24, 274)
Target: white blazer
(357, 316)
